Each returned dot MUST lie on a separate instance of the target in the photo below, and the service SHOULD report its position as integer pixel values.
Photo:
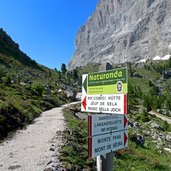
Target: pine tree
(63, 69)
(75, 74)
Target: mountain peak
(124, 31)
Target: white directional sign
(106, 123)
(105, 143)
(105, 92)
(116, 103)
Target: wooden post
(105, 163)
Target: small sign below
(106, 123)
(102, 144)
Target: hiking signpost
(105, 94)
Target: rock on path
(33, 148)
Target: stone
(78, 98)
(137, 75)
(167, 149)
(48, 169)
(168, 137)
(121, 31)
(162, 136)
(136, 124)
(81, 116)
(130, 124)
(52, 149)
(159, 111)
(71, 94)
(158, 146)
(138, 139)
(146, 133)
(60, 90)
(155, 136)
(155, 125)
(14, 167)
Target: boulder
(162, 136)
(167, 149)
(154, 125)
(54, 166)
(60, 90)
(78, 96)
(81, 116)
(71, 94)
(136, 75)
(168, 137)
(146, 133)
(155, 136)
(130, 124)
(136, 124)
(138, 139)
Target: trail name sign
(105, 92)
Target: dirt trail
(164, 118)
(33, 148)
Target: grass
(152, 74)
(142, 158)
(141, 82)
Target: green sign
(108, 82)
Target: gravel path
(36, 146)
(164, 118)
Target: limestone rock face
(124, 30)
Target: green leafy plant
(37, 88)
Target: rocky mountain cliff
(124, 30)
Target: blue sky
(45, 29)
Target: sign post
(106, 93)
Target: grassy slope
(26, 88)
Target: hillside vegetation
(26, 87)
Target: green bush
(144, 116)
(2, 71)
(37, 88)
(165, 125)
(6, 80)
